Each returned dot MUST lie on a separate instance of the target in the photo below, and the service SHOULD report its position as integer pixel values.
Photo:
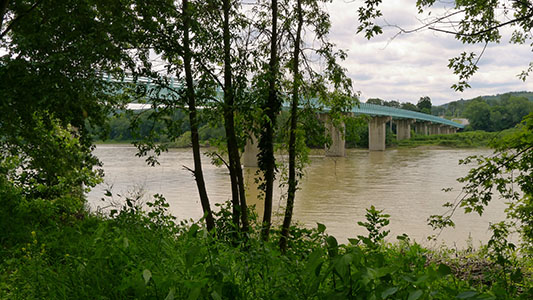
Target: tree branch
(3, 9)
(526, 17)
(17, 19)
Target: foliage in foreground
(51, 253)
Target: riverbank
(63, 252)
(469, 139)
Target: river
(405, 183)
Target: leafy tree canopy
(51, 74)
(424, 105)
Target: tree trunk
(3, 9)
(292, 134)
(237, 182)
(198, 173)
(267, 162)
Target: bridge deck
(378, 110)
(361, 109)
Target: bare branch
(221, 159)
(189, 169)
(526, 17)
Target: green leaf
(195, 293)
(443, 270)
(388, 292)
(332, 246)
(321, 227)
(193, 230)
(415, 295)
(170, 295)
(191, 256)
(216, 296)
(466, 295)
(314, 262)
(422, 279)
(385, 271)
(343, 266)
(353, 241)
(371, 273)
(332, 241)
(147, 275)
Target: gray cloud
(414, 65)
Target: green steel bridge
(424, 124)
(361, 109)
(378, 110)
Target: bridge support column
(338, 143)
(434, 129)
(251, 150)
(421, 128)
(452, 130)
(377, 132)
(403, 129)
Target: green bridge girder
(361, 109)
(378, 110)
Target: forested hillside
(489, 113)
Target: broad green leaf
(321, 227)
(216, 296)
(195, 293)
(353, 241)
(466, 295)
(388, 292)
(385, 271)
(422, 279)
(147, 275)
(314, 261)
(170, 295)
(193, 230)
(332, 246)
(415, 295)
(443, 270)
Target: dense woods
(67, 66)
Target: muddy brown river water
(406, 183)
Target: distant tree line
(119, 129)
(489, 113)
(423, 105)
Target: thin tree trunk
(293, 183)
(267, 162)
(191, 99)
(237, 182)
(3, 9)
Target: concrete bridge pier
(421, 128)
(434, 129)
(338, 143)
(403, 129)
(377, 132)
(449, 130)
(251, 150)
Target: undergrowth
(468, 139)
(67, 253)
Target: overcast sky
(415, 65)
